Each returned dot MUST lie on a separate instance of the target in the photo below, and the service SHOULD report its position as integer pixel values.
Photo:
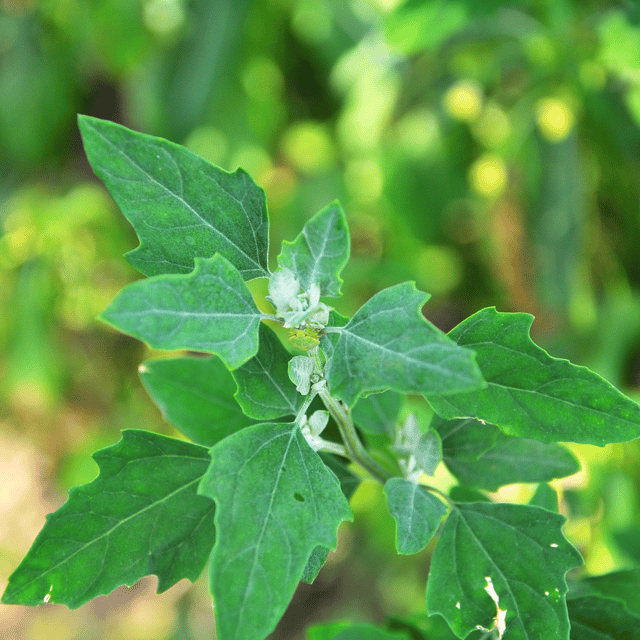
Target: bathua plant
(279, 441)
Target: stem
(305, 405)
(354, 447)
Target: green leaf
(377, 412)
(465, 439)
(208, 310)
(417, 513)
(545, 497)
(619, 585)
(140, 516)
(598, 618)
(264, 389)
(345, 631)
(514, 460)
(512, 553)
(196, 396)
(389, 344)
(348, 483)
(459, 493)
(532, 395)
(320, 252)
(181, 206)
(276, 502)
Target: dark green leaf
(377, 412)
(208, 310)
(348, 483)
(264, 389)
(619, 585)
(598, 618)
(515, 554)
(465, 439)
(417, 513)
(389, 344)
(276, 502)
(181, 206)
(514, 460)
(464, 494)
(140, 516)
(545, 497)
(532, 395)
(344, 631)
(320, 252)
(196, 396)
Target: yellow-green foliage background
(488, 150)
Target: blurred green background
(488, 150)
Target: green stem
(354, 447)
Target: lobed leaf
(348, 483)
(417, 513)
(619, 585)
(208, 310)
(389, 344)
(320, 252)
(140, 516)
(276, 502)
(514, 460)
(598, 618)
(502, 565)
(196, 396)
(465, 439)
(181, 206)
(264, 389)
(532, 395)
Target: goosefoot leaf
(417, 513)
(320, 252)
(502, 565)
(532, 395)
(264, 389)
(276, 502)
(140, 516)
(389, 344)
(513, 460)
(598, 618)
(208, 310)
(181, 206)
(346, 631)
(196, 396)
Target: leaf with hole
(276, 501)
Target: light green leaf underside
(598, 618)
(377, 412)
(417, 513)
(523, 552)
(208, 310)
(320, 252)
(264, 389)
(428, 452)
(196, 396)
(514, 460)
(181, 206)
(276, 502)
(141, 516)
(532, 395)
(389, 344)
